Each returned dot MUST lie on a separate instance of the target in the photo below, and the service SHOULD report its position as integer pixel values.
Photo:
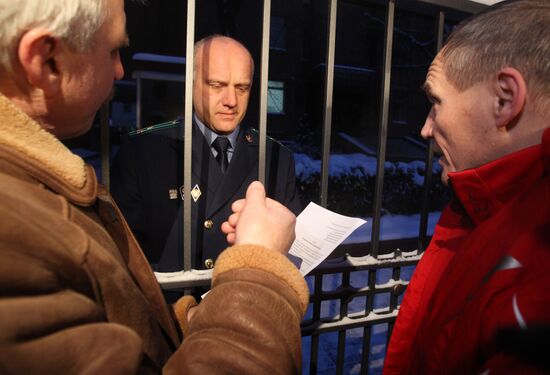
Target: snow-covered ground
(357, 164)
(393, 227)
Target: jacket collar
(485, 190)
(44, 156)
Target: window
(275, 97)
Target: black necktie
(221, 145)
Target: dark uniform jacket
(147, 184)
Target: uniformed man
(147, 173)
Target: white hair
(74, 21)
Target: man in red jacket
(486, 275)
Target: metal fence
(354, 299)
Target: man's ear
(37, 52)
(511, 92)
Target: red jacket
(487, 268)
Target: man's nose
(426, 131)
(229, 98)
(119, 69)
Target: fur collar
(18, 131)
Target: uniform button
(249, 138)
(208, 224)
(209, 263)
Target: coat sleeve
(249, 323)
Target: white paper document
(318, 232)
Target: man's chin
(73, 132)
(445, 169)
(224, 127)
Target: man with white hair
(76, 292)
(485, 275)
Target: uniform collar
(485, 190)
(210, 135)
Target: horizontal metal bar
(183, 279)
(192, 278)
(373, 318)
(461, 5)
(340, 293)
(349, 263)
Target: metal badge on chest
(195, 193)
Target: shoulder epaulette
(256, 132)
(156, 127)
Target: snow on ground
(393, 227)
(358, 165)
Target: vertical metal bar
(264, 70)
(423, 229)
(394, 297)
(391, 324)
(316, 317)
(372, 291)
(105, 147)
(344, 304)
(383, 128)
(340, 356)
(187, 157)
(138, 101)
(367, 332)
(314, 359)
(317, 294)
(329, 88)
(366, 350)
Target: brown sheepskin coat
(78, 296)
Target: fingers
(227, 228)
(257, 191)
(255, 194)
(260, 220)
(233, 219)
(231, 239)
(238, 205)
(230, 232)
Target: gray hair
(74, 21)
(510, 34)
